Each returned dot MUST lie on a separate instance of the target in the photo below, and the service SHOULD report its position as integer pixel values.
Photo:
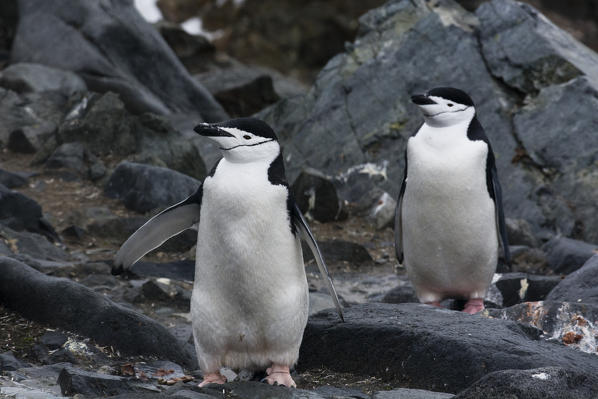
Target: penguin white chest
(449, 226)
(250, 295)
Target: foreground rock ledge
(423, 347)
(63, 303)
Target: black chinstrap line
(446, 112)
(246, 145)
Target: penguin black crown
(449, 220)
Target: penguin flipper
(157, 230)
(399, 217)
(500, 216)
(303, 228)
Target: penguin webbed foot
(474, 305)
(212, 378)
(279, 375)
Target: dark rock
(117, 50)
(73, 381)
(53, 339)
(20, 212)
(9, 362)
(13, 179)
(33, 245)
(566, 255)
(359, 105)
(187, 47)
(539, 287)
(424, 347)
(143, 188)
(316, 196)
(533, 53)
(30, 139)
(281, 34)
(85, 312)
(529, 260)
(27, 77)
(571, 324)
(404, 293)
(579, 286)
(404, 393)
(182, 270)
(339, 251)
(519, 232)
(513, 287)
(69, 156)
(242, 91)
(74, 232)
(105, 127)
(539, 383)
(159, 291)
(573, 162)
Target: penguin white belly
(250, 297)
(449, 224)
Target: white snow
(149, 10)
(541, 376)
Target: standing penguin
(249, 305)
(449, 220)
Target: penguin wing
(157, 230)
(399, 217)
(500, 215)
(475, 131)
(303, 228)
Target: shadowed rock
(423, 347)
(63, 303)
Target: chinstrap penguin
(249, 305)
(449, 220)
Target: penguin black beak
(420, 99)
(207, 130)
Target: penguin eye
(450, 105)
(247, 137)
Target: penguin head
(242, 140)
(445, 106)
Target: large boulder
(420, 346)
(579, 286)
(111, 47)
(81, 310)
(566, 255)
(143, 188)
(360, 107)
(540, 383)
(27, 77)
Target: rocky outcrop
(116, 50)
(531, 82)
(429, 348)
(83, 311)
(579, 286)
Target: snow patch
(541, 376)
(148, 10)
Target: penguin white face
(445, 106)
(242, 140)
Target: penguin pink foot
(474, 305)
(280, 375)
(212, 378)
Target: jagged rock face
(111, 47)
(535, 101)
